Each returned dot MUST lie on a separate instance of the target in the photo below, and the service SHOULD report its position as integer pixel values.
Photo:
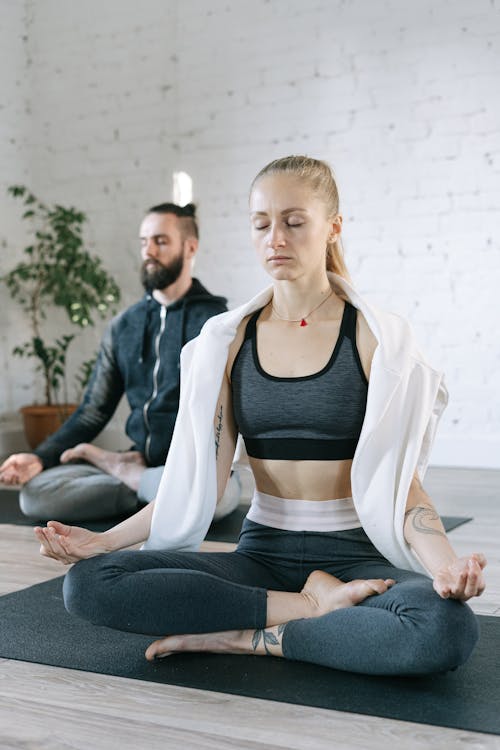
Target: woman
(342, 560)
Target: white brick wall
(400, 97)
(15, 166)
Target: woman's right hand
(68, 544)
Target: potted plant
(56, 271)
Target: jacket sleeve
(101, 398)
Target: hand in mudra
(461, 579)
(20, 468)
(68, 544)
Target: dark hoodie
(139, 356)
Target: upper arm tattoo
(421, 517)
(218, 432)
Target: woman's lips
(278, 259)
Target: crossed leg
(362, 624)
(406, 629)
(322, 593)
(126, 466)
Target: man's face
(162, 250)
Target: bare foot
(227, 642)
(127, 466)
(326, 593)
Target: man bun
(189, 210)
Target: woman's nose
(276, 237)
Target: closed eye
(288, 224)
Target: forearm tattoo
(267, 638)
(421, 518)
(218, 432)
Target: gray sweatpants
(82, 492)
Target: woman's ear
(335, 228)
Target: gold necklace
(303, 321)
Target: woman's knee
(441, 633)
(448, 634)
(86, 589)
(457, 632)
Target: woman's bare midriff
(303, 480)
(281, 356)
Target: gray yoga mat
(226, 530)
(35, 627)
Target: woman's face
(289, 227)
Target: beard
(156, 275)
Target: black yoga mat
(225, 530)
(35, 627)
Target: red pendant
(303, 322)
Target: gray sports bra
(314, 417)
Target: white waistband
(303, 515)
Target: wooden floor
(47, 708)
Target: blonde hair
(319, 175)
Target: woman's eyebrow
(283, 213)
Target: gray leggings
(407, 630)
(82, 492)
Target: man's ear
(190, 247)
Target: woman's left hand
(461, 579)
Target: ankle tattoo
(266, 638)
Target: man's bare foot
(127, 466)
(326, 593)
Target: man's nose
(150, 248)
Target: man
(138, 357)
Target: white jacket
(406, 398)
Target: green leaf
(57, 271)
(16, 190)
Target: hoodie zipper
(145, 408)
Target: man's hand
(20, 468)
(68, 544)
(461, 579)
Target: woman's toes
(158, 649)
(378, 585)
